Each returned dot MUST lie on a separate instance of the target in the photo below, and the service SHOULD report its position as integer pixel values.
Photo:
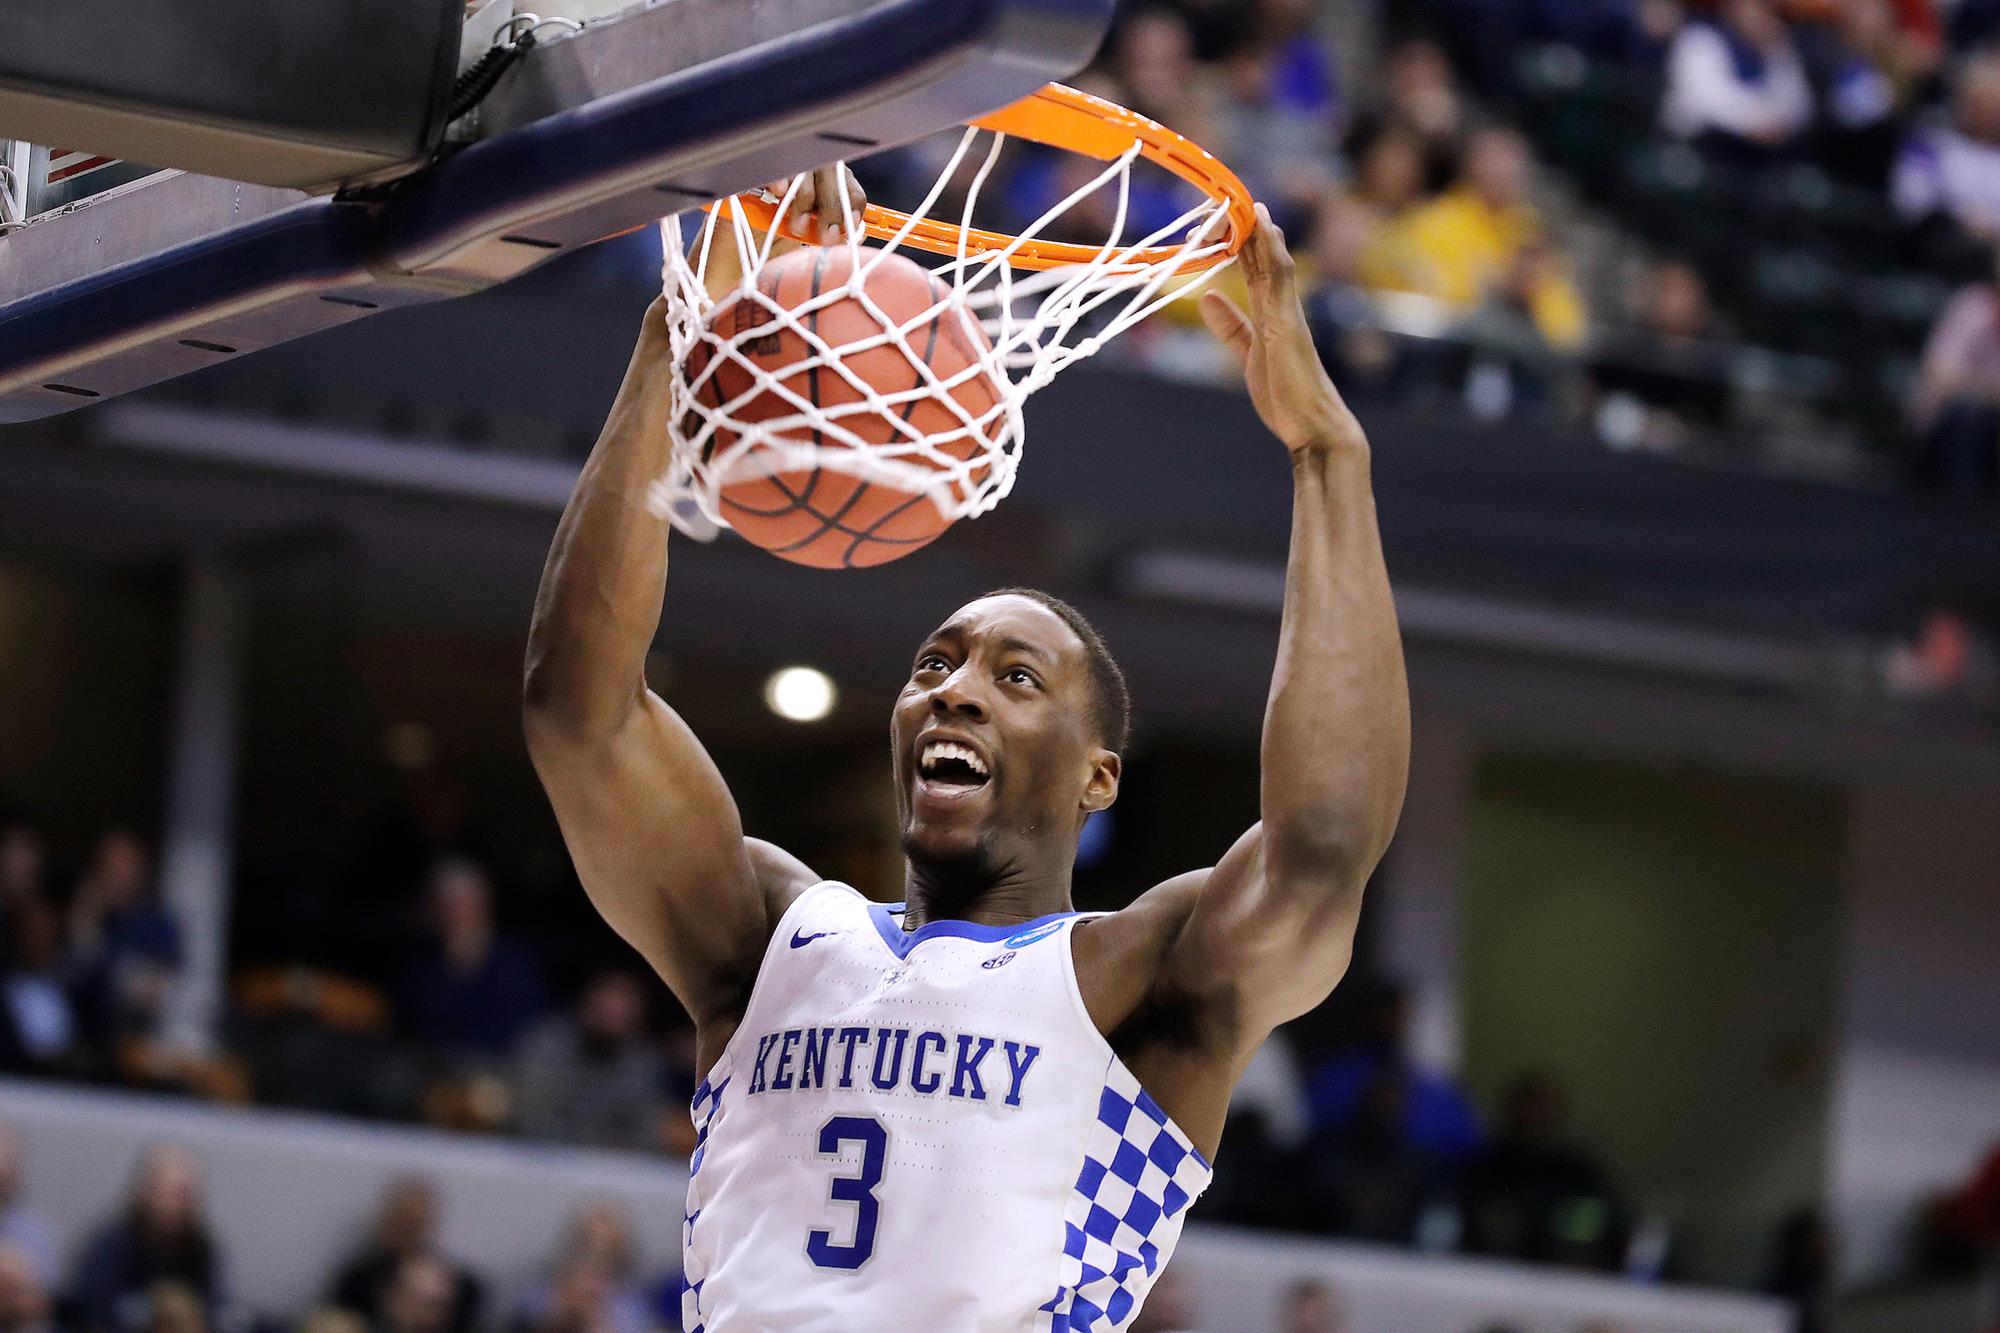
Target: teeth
(937, 751)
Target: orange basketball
(824, 518)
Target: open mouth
(948, 768)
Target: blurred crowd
(459, 1022)
(1453, 267)
(160, 1265)
(427, 1012)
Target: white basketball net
(1037, 324)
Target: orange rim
(1060, 117)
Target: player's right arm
(652, 828)
(650, 824)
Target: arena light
(800, 694)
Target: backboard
(637, 114)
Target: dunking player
(978, 1110)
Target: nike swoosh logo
(800, 939)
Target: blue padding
(566, 153)
(269, 276)
(312, 248)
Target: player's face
(993, 741)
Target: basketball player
(976, 1110)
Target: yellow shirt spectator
(1455, 247)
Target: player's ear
(1102, 788)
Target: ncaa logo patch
(1021, 939)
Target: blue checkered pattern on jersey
(1139, 1175)
(707, 1101)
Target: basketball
(821, 517)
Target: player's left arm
(1272, 929)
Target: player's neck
(1008, 899)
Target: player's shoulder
(1158, 914)
(781, 877)
(1119, 955)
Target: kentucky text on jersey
(964, 1065)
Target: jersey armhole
(1075, 988)
(1112, 1060)
(764, 969)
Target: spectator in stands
(679, 1064)
(1420, 99)
(1362, 358)
(1633, 32)
(125, 949)
(1974, 24)
(470, 991)
(24, 863)
(1301, 68)
(330, 1319)
(24, 1230)
(1152, 57)
(1861, 66)
(1267, 1129)
(419, 1297)
(1367, 1177)
(1534, 1195)
(1388, 172)
(1437, 1117)
(593, 1078)
(1665, 377)
(592, 1289)
(1736, 85)
(163, 1237)
(1471, 239)
(1388, 186)
(1953, 170)
(172, 1307)
(1802, 1270)
(24, 1296)
(1964, 1226)
(1311, 1306)
(1513, 370)
(1285, 153)
(405, 1230)
(1956, 408)
(42, 1030)
(1149, 66)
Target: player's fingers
(857, 198)
(1274, 289)
(795, 198)
(829, 192)
(1271, 260)
(1229, 324)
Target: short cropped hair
(1111, 711)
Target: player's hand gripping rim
(1273, 346)
(818, 195)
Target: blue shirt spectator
(1954, 170)
(162, 1238)
(22, 1225)
(1737, 86)
(469, 990)
(1437, 1118)
(125, 950)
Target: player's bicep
(1267, 951)
(658, 843)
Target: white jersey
(924, 1132)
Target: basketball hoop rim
(1058, 116)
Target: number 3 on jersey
(858, 1190)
